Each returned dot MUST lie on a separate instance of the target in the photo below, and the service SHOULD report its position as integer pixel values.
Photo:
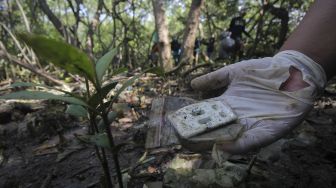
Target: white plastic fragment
(197, 118)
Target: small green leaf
(61, 54)
(40, 95)
(103, 63)
(95, 100)
(76, 110)
(129, 82)
(29, 84)
(110, 116)
(100, 140)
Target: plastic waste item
(201, 117)
(227, 42)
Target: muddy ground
(32, 156)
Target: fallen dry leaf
(151, 169)
(126, 126)
(125, 120)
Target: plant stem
(93, 127)
(110, 136)
(114, 154)
(102, 158)
(106, 169)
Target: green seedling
(88, 105)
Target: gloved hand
(270, 95)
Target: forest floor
(32, 156)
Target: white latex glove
(260, 93)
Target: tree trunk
(283, 15)
(163, 35)
(209, 19)
(51, 16)
(190, 31)
(92, 28)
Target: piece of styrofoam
(196, 118)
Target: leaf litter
(308, 153)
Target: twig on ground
(195, 68)
(48, 179)
(251, 163)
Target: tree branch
(51, 16)
(60, 27)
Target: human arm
(316, 35)
(271, 96)
(247, 34)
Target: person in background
(210, 46)
(237, 28)
(197, 50)
(176, 49)
(226, 46)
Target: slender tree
(191, 30)
(163, 34)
